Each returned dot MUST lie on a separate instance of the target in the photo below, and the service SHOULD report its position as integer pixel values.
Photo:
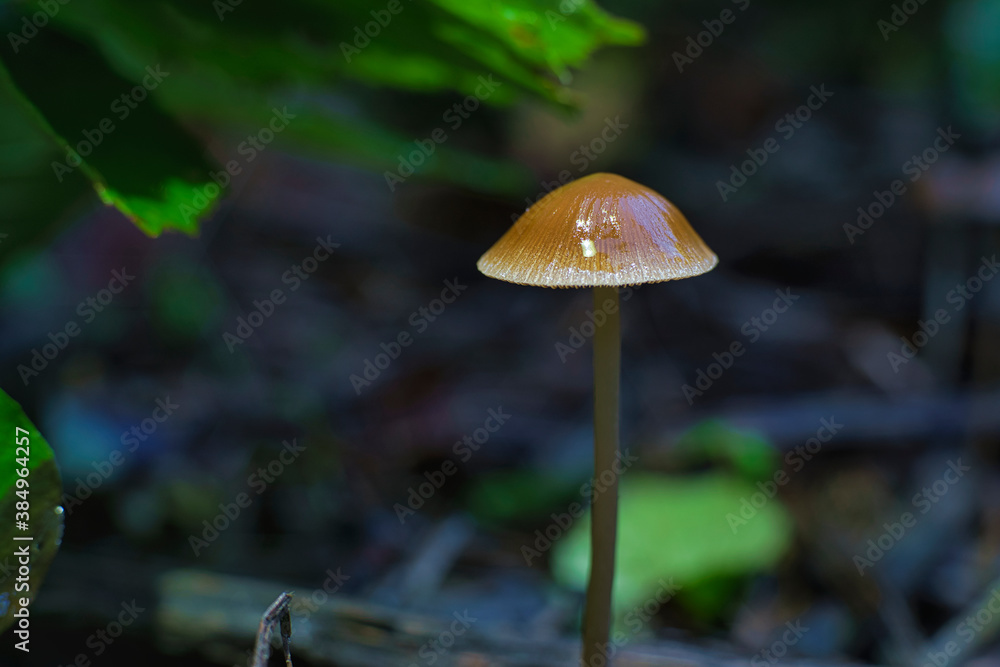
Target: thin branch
(276, 615)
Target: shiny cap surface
(602, 229)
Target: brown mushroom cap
(602, 229)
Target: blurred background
(239, 300)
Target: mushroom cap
(602, 229)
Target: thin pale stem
(604, 506)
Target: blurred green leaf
(138, 159)
(33, 209)
(972, 28)
(232, 66)
(677, 527)
(509, 495)
(439, 46)
(715, 442)
(42, 493)
(231, 72)
(185, 299)
(549, 35)
(322, 132)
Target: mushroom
(602, 231)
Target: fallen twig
(276, 615)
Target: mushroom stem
(604, 507)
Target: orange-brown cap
(602, 229)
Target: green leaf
(445, 45)
(679, 528)
(232, 69)
(45, 516)
(231, 72)
(746, 452)
(34, 210)
(137, 158)
(323, 132)
(512, 495)
(553, 35)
